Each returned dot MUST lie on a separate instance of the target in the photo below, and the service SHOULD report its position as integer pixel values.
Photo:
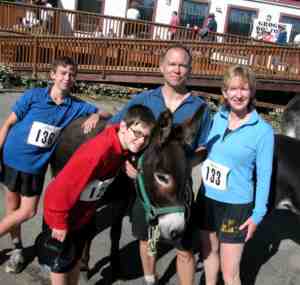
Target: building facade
(232, 16)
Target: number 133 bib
(215, 174)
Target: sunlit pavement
(271, 258)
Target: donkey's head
(165, 174)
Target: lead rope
(153, 238)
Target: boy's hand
(130, 170)
(59, 234)
(91, 122)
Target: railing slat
(209, 59)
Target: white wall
(219, 8)
(115, 8)
(67, 4)
(164, 11)
(67, 21)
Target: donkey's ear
(200, 155)
(163, 127)
(191, 126)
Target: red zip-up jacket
(71, 198)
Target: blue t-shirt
(31, 141)
(228, 172)
(153, 99)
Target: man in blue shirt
(175, 67)
(27, 139)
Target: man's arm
(205, 126)
(136, 99)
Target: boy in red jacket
(71, 198)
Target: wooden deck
(137, 61)
(110, 49)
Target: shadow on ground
(131, 267)
(276, 227)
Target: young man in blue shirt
(27, 139)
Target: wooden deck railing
(142, 56)
(22, 18)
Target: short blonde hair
(246, 75)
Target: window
(295, 25)
(88, 23)
(240, 21)
(145, 8)
(91, 6)
(193, 13)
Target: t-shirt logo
(95, 190)
(43, 135)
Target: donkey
(285, 186)
(164, 180)
(285, 179)
(290, 121)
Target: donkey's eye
(163, 179)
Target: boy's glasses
(138, 134)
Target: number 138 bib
(42, 135)
(214, 174)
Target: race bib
(42, 135)
(214, 174)
(95, 190)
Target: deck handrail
(36, 53)
(25, 18)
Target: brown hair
(63, 61)
(139, 114)
(246, 75)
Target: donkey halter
(152, 212)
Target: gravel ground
(272, 257)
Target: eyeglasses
(138, 134)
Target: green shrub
(6, 74)
(96, 90)
(31, 83)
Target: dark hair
(177, 46)
(63, 61)
(139, 114)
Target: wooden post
(34, 57)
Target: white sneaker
(16, 262)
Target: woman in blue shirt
(240, 146)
